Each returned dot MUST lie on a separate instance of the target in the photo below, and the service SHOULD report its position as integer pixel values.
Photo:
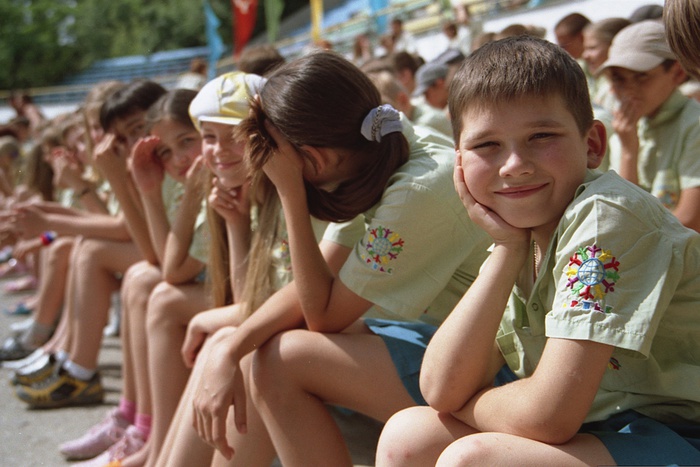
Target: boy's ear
(678, 73)
(597, 141)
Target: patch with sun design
(591, 274)
(382, 245)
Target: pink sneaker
(131, 442)
(97, 439)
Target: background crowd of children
(187, 211)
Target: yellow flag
(316, 19)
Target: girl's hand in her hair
(145, 166)
(219, 386)
(110, 159)
(500, 231)
(233, 204)
(195, 177)
(285, 167)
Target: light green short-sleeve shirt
(426, 115)
(416, 252)
(669, 149)
(172, 192)
(281, 256)
(624, 272)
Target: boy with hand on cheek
(657, 129)
(578, 342)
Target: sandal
(21, 285)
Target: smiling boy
(656, 143)
(578, 342)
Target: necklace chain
(535, 258)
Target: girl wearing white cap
(249, 257)
(406, 255)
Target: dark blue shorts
(406, 342)
(633, 439)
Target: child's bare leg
(61, 340)
(96, 264)
(416, 436)
(182, 446)
(138, 283)
(296, 373)
(170, 308)
(503, 449)
(52, 286)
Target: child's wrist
(47, 237)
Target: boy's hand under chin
(499, 230)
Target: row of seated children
(542, 212)
(60, 165)
(556, 229)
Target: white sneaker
(28, 360)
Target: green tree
(43, 41)
(36, 44)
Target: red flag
(244, 15)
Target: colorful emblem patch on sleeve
(382, 245)
(614, 364)
(592, 273)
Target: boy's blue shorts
(633, 439)
(406, 342)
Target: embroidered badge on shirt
(592, 274)
(614, 364)
(382, 245)
(285, 255)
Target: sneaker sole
(28, 380)
(94, 397)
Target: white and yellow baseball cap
(226, 98)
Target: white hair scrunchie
(381, 121)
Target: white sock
(61, 356)
(77, 371)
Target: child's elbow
(176, 277)
(553, 432)
(438, 397)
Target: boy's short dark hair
(517, 67)
(136, 96)
(572, 24)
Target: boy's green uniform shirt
(669, 149)
(620, 270)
